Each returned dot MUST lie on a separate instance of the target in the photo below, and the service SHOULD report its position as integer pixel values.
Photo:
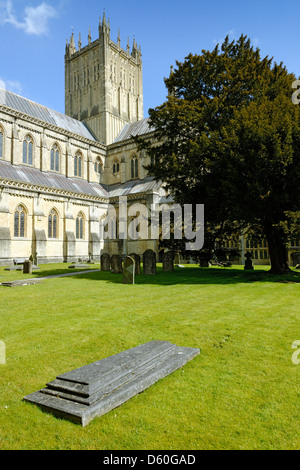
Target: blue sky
(33, 36)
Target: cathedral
(60, 173)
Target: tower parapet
(104, 83)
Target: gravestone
(105, 262)
(116, 264)
(137, 260)
(168, 261)
(248, 263)
(95, 389)
(149, 263)
(128, 270)
(27, 267)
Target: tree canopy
(228, 137)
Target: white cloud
(230, 34)
(36, 19)
(11, 85)
(232, 37)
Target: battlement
(103, 83)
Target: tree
(229, 137)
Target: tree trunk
(277, 251)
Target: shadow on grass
(196, 275)
(189, 275)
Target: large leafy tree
(229, 137)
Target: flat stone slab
(79, 265)
(19, 267)
(95, 389)
(24, 282)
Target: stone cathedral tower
(103, 83)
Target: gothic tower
(103, 83)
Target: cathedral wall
(27, 227)
(16, 131)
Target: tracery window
(28, 150)
(116, 167)
(78, 164)
(134, 167)
(54, 158)
(52, 224)
(19, 222)
(98, 166)
(80, 226)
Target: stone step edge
(58, 388)
(157, 347)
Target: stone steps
(96, 389)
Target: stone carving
(168, 261)
(105, 262)
(129, 270)
(149, 262)
(116, 264)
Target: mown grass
(241, 392)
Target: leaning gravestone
(149, 262)
(137, 260)
(116, 264)
(27, 267)
(95, 389)
(105, 262)
(168, 261)
(129, 270)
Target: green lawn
(241, 392)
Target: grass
(241, 392)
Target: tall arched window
(1, 143)
(134, 167)
(78, 164)
(53, 224)
(54, 158)
(80, 226)
(19, 222)
(28, 150)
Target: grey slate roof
(46, 179)
(133, 187)
(136, 128)
(38, 111)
